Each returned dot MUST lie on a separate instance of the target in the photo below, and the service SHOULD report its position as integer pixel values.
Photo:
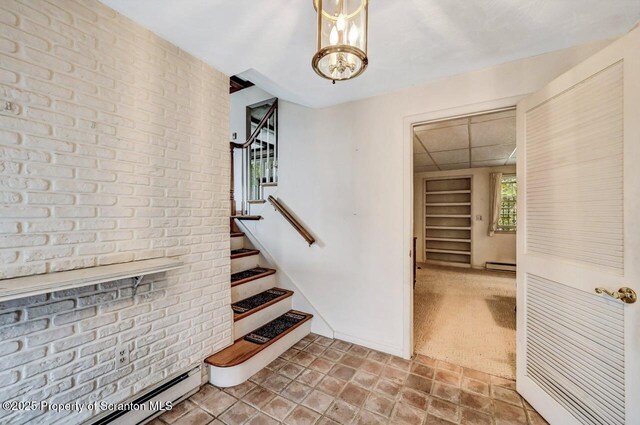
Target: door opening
(464, 219)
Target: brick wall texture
(113, 148)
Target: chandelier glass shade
(342, 38)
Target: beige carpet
(466, 317)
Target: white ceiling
(487, 140)
(410, 42)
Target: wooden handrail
(261, 124)
(292, 220)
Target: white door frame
(408, 123)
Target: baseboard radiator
(509, 267)
(151, 403)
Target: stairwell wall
(345, 171)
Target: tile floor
(322, 381)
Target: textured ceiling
(411, 41)
(480, 141)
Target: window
(507, 220)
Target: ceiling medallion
(342, 39)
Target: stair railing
(292, 220)
(259, 159)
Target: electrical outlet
(478, 217)
(123, 356)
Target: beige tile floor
(326, 382)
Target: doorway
(465, 222)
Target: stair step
(242, 351)
(247, 217)
(243, 252)
(249, 275)
(255, 303)
(237, 234)
(252, 284)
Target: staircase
(264, 323)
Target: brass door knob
(626, 295)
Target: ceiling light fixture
(342, 39)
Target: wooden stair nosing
(236, 234)
(240, 316)
(242, 350)
(245, 254)
(254, 277)
(247, 217)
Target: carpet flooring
(466, 317)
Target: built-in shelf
(21, 287)
(429, 238)
(448, 227)
(448, 251)
(448, 204)
(449, 215)
(447, 192)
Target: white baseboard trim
(396, 351)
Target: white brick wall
(113, 148)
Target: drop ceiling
(411, 42)
(486, 140)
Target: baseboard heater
(173, 389)
(510, 267)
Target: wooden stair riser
(235, 375)
(244, 263)
(249, 289)
(237, 242)
(262, 317)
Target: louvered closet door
(578, 352)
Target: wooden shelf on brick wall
(21, 287)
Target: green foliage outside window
(508, 219)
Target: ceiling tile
(451, 157)
(423, 168)
(444, 139)
(461, 166)
(494, 132)
(422, 159)
(490, 163)
(491, 152)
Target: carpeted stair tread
(248, 306)
(249, 275)
(242, 350)
(266, 333)
(243, 252)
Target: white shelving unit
(27, 286)
(447, 219)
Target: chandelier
(342, 39)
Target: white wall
(115, 149)
(501, 247)
(238, 109)
(343, 171)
